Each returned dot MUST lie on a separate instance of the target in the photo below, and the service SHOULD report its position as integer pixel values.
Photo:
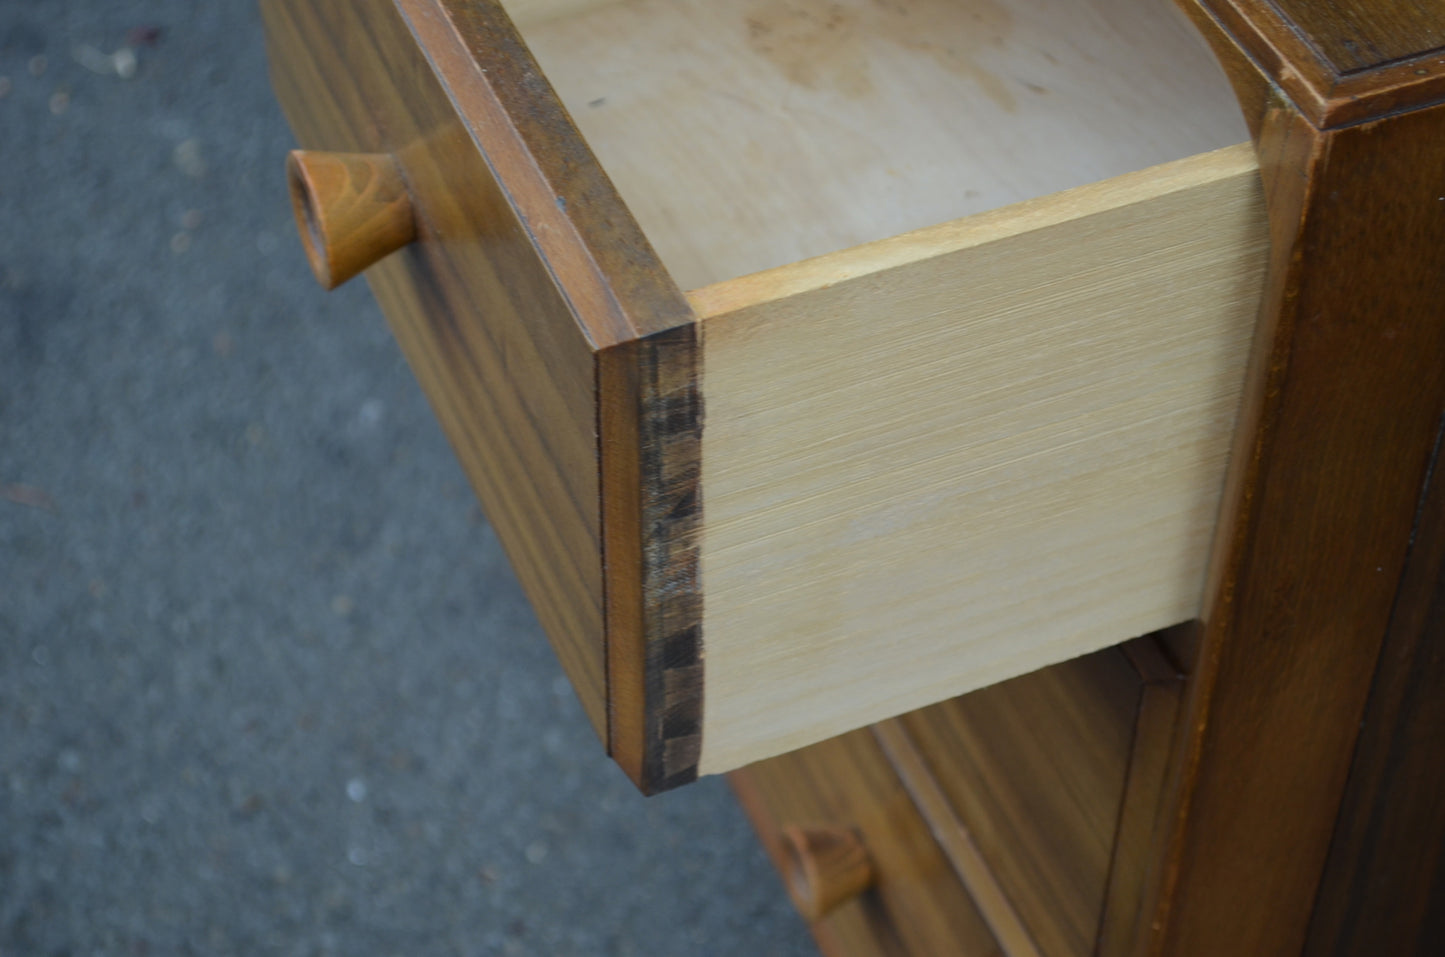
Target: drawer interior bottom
(746, 134)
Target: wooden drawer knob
(824, 867)
(353, 210)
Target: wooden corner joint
(1338, 67)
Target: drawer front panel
(1035, 769)
(514, 397)
(1042, 794)
(527, 269)
(916, 905)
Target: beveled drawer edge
(618, 288)
(954, 839)
(1129, 891)
(648, 398)
(868, 446)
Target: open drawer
(878, 455)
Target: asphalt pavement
(267, 683)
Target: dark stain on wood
(1359, 35)
(824, 44)
(1342, 407)
(672, 419)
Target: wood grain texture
(648, 413)
(1339, 61)
(1042, 793)
(614, 281)
(1360, 35)
(1383, 890)
(651, 414)
(952, 457)
(1035, 769)
(1124, 924)
(1345, 393)
(528, 270)
(559, 355)
(748, 134)
(916, 905)
(515, 397)
(352, 210)
(954, 839)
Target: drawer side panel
(962, 454)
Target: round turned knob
(353, 210)
(824, 867)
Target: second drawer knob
(824, 867)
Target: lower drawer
(915, 903)
(1035, 799)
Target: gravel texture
(267, 684)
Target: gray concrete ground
(267, 685)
